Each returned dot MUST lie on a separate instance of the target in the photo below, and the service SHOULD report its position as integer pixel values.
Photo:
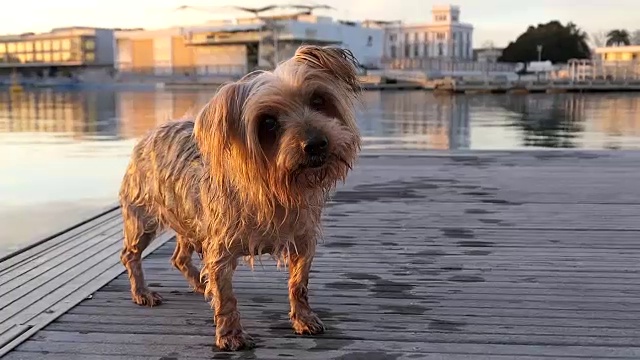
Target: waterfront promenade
(484, 255)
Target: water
(63, 153)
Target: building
(235, 47)
(63, 50)
(444, 38)
(618, 53)
(487, 55)
(614, 63)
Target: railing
(451, 65)
(183, 71)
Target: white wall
(354, 38)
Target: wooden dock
(485, 255)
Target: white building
(445, 37)
(238, 46)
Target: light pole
(539, 47)
(539, 53)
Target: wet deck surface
(490, 256)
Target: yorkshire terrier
(249, 176)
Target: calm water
(63, 153)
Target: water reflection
(406, 120)
(65, 152)
(548, 121)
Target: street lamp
(539, 53)
(539, 47)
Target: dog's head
(285, 133)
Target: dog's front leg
(230, 335)
(303, 319)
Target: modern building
(618, 53)
(63, 50)
(235, 47)
(446, 37)
(487, 55)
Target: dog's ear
(338, 62)
(218, 126)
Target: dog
(250, 175)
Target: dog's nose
(316, 145)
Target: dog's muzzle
(316, 148)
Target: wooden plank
(27, 254)
(299, 347)
(272, 354)
(25, 279)
(494, 255)
(64, 298)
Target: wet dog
(249, 176)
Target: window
(3, 48)
(91, 45)
(416, 50)
(28, 46)
(46, 45)
(370, 41)
(65, 44)
(393, 51)
(39, 57)
(89, 57)
(65, 56)
(393, 37)
(29, 58)
(55, 45)
(425, 50)
(407, 50)
(46, 57)
(11, 48)
(416, 37)
(440, 49)
(20, 47)
(38, 45)
(406, 38)
(56, 57)
(440, 36)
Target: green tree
(559, 44)
(618, 37)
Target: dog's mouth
(316, 161)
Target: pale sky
(494, 20)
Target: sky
(499, 21)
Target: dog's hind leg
(182, 260)
(139, 231)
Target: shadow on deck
(487, 256)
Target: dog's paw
(307, 324)
(234, 341)
(147, 298)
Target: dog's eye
(317, 102)
(269, 123)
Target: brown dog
(249, 176)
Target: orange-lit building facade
(60, 48)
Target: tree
(559, 44)
(618, 37)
